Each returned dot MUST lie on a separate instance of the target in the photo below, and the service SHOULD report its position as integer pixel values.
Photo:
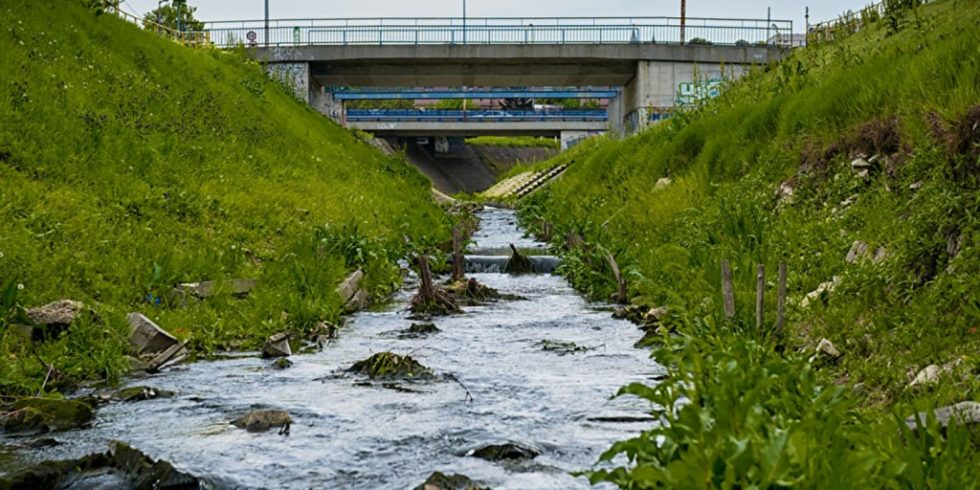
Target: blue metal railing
(398, 93)
(538, 30)
(442, 115)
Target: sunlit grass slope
(903, 93)
(129, 164)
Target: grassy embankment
(906, 90)
(129, 164)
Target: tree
(177, 16)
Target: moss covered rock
(120, 467)
(505, 452)
(263, 420)
(44, 415)
(140, 393)
(388, 365)
(442, 481)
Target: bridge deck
(507, 31)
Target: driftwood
(430, 299)
(518, 263)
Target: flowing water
(347, 435)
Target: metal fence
(442, 115)
(540, 30)
(849, 22)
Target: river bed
(346, 435)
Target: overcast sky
(210, 10)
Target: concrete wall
(299, 77)
(571, 138)
(662, 85)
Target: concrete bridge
(658, 63)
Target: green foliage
(131, 164)
(762, 175)
(514, 141)
(737, 414)
(382, 104)
(177, 16)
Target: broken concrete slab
(277, 346)
(358, 302)
(966, 413)
(172, 355)
(859, 250)
(147, 337)
(350, 287)
(827, 349)
(204, 289)
(62, 313)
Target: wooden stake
(727, 294)
(459, 265)
(620, 283)
(760, 296)
(426, 289)
(781, 298)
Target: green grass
(130, 164)
(910, 95)
(514, 141)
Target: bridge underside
(436, 128)
(653, 77)
(499, 65)
(477, 73)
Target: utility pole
(464, 21)
(683, 18)
(806, 33)
(267, 23)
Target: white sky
(211, 10)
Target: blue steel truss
(384, 93)
(440, 115)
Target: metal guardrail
(441, 115)
(188, 38)
(849, 23)
(538, 30)
(384, 93)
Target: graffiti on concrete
(692, 93)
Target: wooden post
(426, 289)
(781, 298)
(545, 231)
(620, 283)
(727, 294)
(760, 296)
(459, 266)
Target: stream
(347, 435)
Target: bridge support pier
(571, 138)
(660, 86)
(297, 75)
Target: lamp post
(683, 18)
(159, 12)
(464, 21)
(179, 6)
(266, 23)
